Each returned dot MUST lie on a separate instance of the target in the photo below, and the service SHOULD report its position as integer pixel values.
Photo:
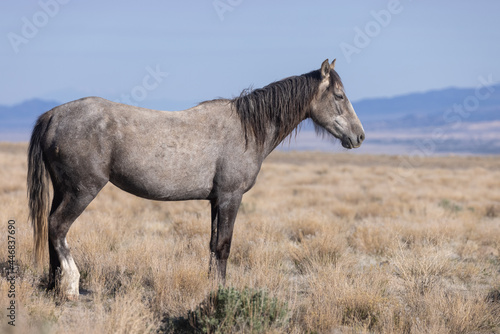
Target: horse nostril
(361, 138)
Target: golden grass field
(352, 243)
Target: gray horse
(213, 151)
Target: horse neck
(271, 113)
(273, 140)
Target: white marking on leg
(70, 276)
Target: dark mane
(283, 103)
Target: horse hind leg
(66, 207)
(55, 265)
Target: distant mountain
(408, 123)
(17, 121)
(430, 108)
(463, 121)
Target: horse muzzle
(352, 142)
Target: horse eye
(339, 97)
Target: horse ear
(332, 66)
(325, 69)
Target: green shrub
(449, 205)
(228, 310)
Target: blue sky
(172, 54)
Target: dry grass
(353, 244)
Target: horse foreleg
(213, 238)
(220, 244)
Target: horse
(213, 151)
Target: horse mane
(283, 103)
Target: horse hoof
(72, 298)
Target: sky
(173, 54)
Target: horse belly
(168, 179)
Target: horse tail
(38, 188)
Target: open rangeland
(350, 243)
